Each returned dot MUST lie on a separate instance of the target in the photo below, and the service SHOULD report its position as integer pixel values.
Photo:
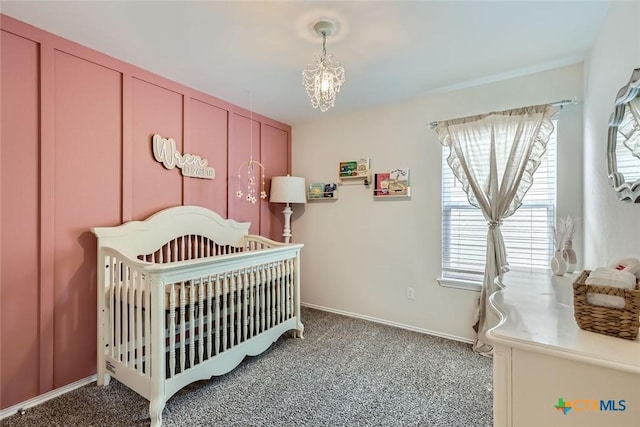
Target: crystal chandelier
(323, 79)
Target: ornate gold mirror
(623, 147)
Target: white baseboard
(44, 397)
(389, 323)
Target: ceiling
(252, 53)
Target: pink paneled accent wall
(156, 110)
(87, 191)
(76, 152)
(208, 137)
(19, 189)
(274, 142)
(246, 138)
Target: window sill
(459, 284)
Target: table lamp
(288, 189)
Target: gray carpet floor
(346, 372)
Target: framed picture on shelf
(399, 182)
(329, 189)
(316, 190)
(381, 181)
(348, 169)
(363, 167)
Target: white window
(527, 233)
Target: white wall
(612, 228)
(361, 254)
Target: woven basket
(622, 323)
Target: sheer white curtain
(494, 156)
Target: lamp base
(286, 233)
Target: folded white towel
(609, 277)
(611, 301)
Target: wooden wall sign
(165, 152)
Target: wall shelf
(406, 195)
(393, 184)
(322, 192)
(354, 172)
(356, 179)
(325, 197)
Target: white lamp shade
(288, 189)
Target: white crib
(186, 295)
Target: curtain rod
(560, 104)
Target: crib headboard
(201, 230)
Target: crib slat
(130, 319)
(232, 288)
(183, 319)
(245, 302)
(263, 303)
(238, 304)
(139, 322)
(225, 292)
(283, 284)
(287, 287)
(280, 293)
(252, 303)
(192, 324)
(107, 316)
(217, 315)
(147, 324)
(294, 290)
(112, 307)
(211, 299)
(267, 283)
(118, 308)
(256, 302)
(175, 250)
(283, 280)
(291, 289)
(201, 330)
(172, 329)
(276, 292)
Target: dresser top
(535, 312)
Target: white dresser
(541, 356)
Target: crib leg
(155, 412)
(103, 379)
(299, 331)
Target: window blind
(527, 233)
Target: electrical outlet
(410, 293)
